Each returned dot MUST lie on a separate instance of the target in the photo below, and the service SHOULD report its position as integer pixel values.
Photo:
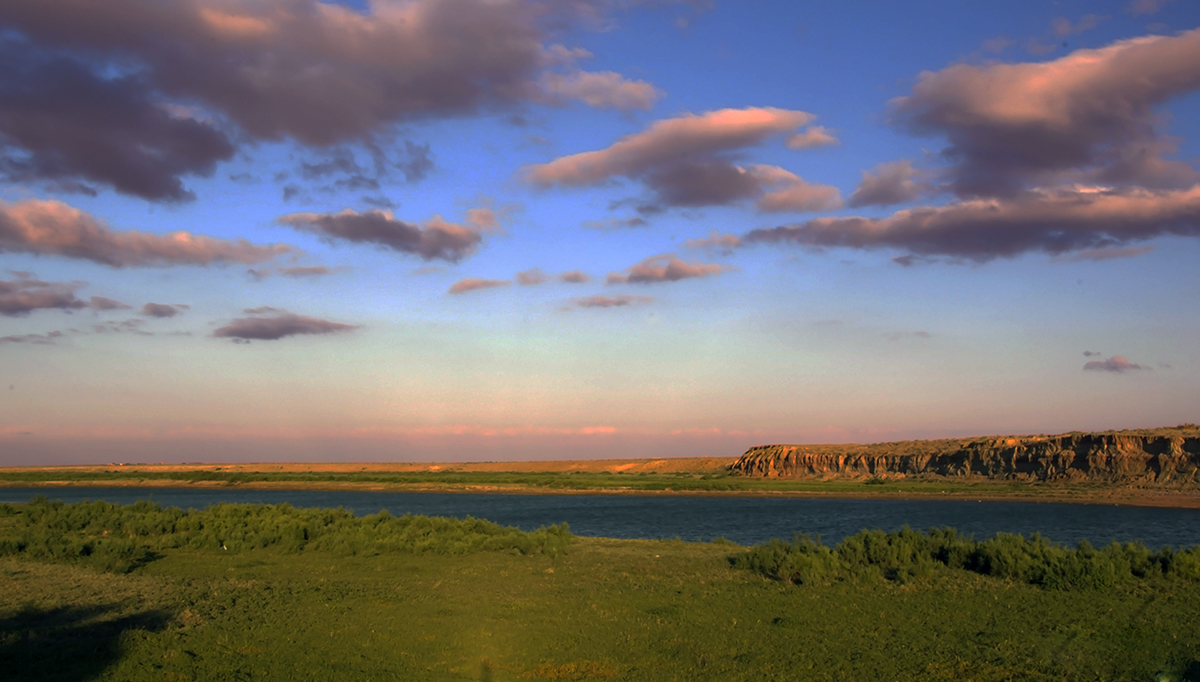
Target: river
(744, 520)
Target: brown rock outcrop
(1169, 455)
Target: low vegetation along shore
(140, 592)
(1156, 467)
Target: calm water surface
(745, 520)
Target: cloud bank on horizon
(465, 195)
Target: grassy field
(365, 600)
(687, 476)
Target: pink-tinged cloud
(436, 239)
(47, 339)
(814, 136)
(615, 223)
(574, 277)
(1115, 364)
(603, 90)
(983, 229)
(54, 228)
(786, 191)
(609, 301)
(271, 325)
(161, 310)
(685, 160)
(665, 142)
(715, 240)
(1086, 117)
(889, 183)
(531, 277)
(466, 284)
(666, 268)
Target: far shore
(670, 473)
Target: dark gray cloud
(102, 303)
(285, 70)
(1086, 117)
(1115, 364)
(271, 324)
(609, 301)
(47, 339)
(984, 229)
(22, 296)
(161, 310)
(64, 123)
(54, 228)
(437, 238)
(889, 183)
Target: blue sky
(490, 229)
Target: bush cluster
(908, 555)
(120, 537)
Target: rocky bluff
(1167, 455)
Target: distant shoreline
(917, 490)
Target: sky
(463, 230)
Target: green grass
(603, 609)
(709, 482)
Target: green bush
(908, 555)
(119, 538)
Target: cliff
(1168, 455)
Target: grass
(600, 610)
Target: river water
(744, 520)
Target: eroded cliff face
(1160, 456)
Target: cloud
(814, 136)
(1139, 7)
(531, 277)
(715, 240)
(666, 268)
(685, 161)
(1090, 353)
(615, 223)
(1087, 117)
(603, 90)
(54, 228)
(21, 296)
(1116, 364)
(47, 339)
(65, 124)
(889, 183)
(161, 310)
(466, 284)
(317, 72)
(1107, 254)
(984, 229)
(437, 238)
(1063, 27)
(609, 301)
(574, 277)
(102, 303)
(305, 271)
(271, 324)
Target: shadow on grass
(67, 643)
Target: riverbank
(660, 477)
